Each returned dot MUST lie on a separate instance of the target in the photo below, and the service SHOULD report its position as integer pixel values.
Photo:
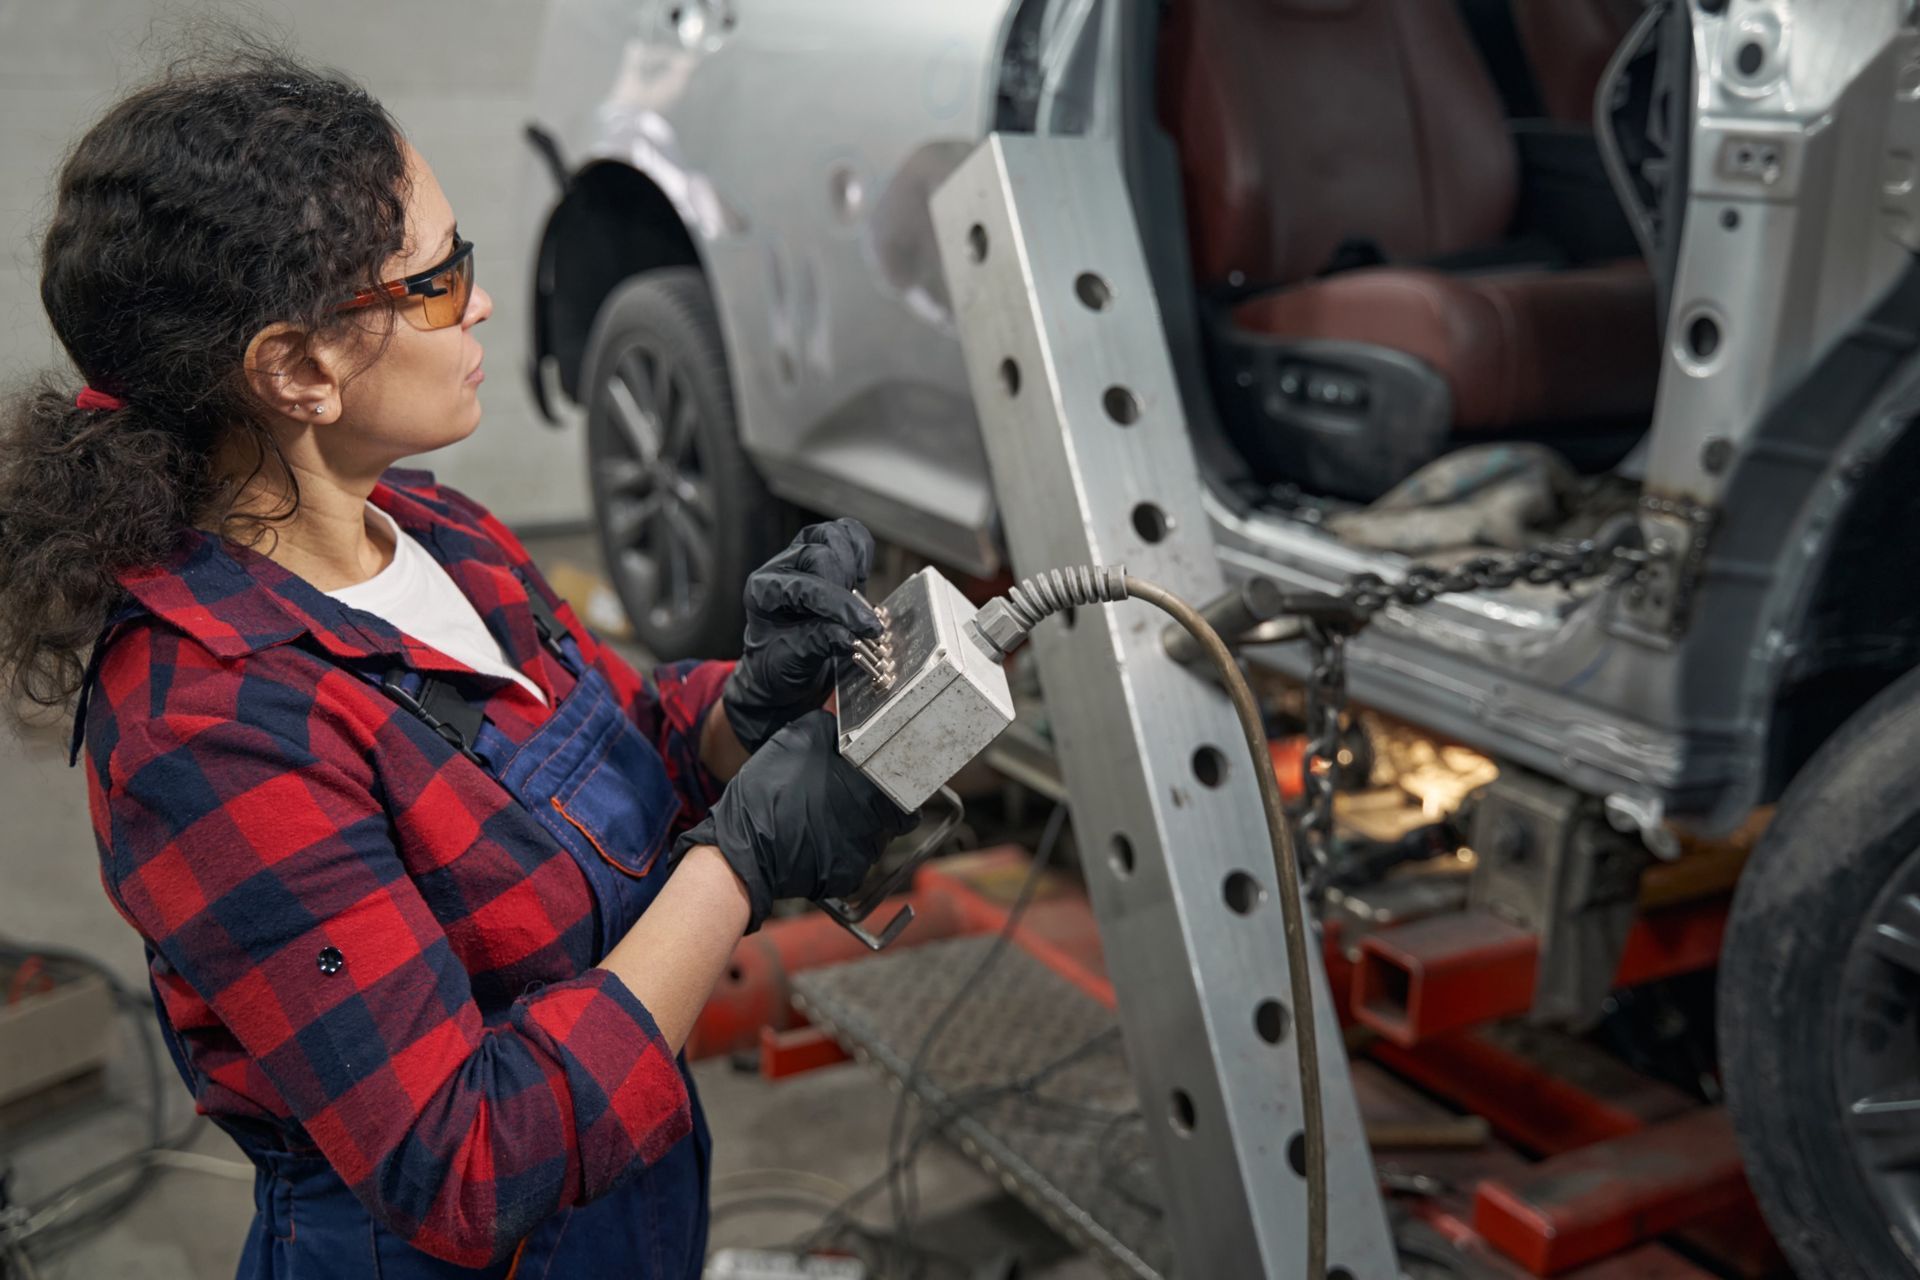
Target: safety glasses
(444, 289)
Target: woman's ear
(291, 376)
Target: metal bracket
(850, 915)
(1551, 863)
(1657, 605)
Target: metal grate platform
(1031, 1074)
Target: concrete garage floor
(830, 1124)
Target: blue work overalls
(308, 1225)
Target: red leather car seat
(1308, 125)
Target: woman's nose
(479, 307)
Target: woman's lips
(478, 376)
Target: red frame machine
(1529, 1155)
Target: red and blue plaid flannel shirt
(466, 1071)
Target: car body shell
(789, 148)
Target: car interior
(1404, 241)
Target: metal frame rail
(1092, 465)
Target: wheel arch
(1858, 629)
(612, 223)
(1784, 643)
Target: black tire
(700, 519)
(1811, 1001)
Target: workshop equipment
(56, 1025)
(1625, 1163)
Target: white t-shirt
(416, 595)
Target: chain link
(1320, 765)
(1563, 564)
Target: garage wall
(455, 72)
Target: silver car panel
(800, 139)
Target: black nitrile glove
(798, 821)
(801, 615)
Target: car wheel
(1819, 1021)
(682, 515)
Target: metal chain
(1562, 564)
(1319, 766)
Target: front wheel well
(613, 223)
(1861, 630)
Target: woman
(432, 884)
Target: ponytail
(84, 495)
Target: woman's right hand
(798, 821)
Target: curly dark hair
(234, 191)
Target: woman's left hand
(802, 615)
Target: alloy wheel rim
(1877, 1051)
(656, 502)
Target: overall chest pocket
(602, 791)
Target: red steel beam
(1528, 1102)
(1595, 1202)
(1647, 1262)
(1441, 974)
(789, 1053)
(1424, 979)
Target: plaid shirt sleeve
(260, 864)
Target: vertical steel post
(1092, 464)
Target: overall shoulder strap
(439, 706)
(553, 632)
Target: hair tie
(91, 399)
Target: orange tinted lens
(453, 290)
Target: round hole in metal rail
(1182, 1113)
(1750, 57)
(977, 242)
(1270, 1021)
(1010, 376)
(1297, 1154)
(1210, 766)
(1339, 1273)
(1243, 893)
(1093, 291)
(1703, 338)
(1121, 405)
(1122, 855)
(1151, 523)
